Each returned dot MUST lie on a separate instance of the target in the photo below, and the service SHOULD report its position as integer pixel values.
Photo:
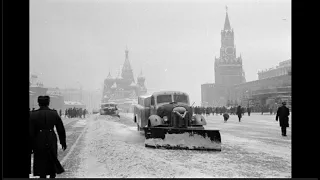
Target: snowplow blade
(183, 138)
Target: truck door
(145, 113)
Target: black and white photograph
(160, 89)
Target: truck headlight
(165, 118)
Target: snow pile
(184, 141)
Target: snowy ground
(111, 147)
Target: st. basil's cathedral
(124, 86)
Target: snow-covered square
(112, 147)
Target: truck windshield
(103, 106)
(164, 98)
(107, 105)
(180, 98)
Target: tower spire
(127, 52)
(126, 65)
(126, 68)
(227, 22)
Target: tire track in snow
(72, 147)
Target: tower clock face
(229, 50)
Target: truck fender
(199, 120)
(155, 120)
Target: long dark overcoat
(283, 116)
(239, 111)
(43, 137)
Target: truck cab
(141, 111)
(155, 110)
(109, 108)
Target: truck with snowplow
(167, 120)
(109, 108)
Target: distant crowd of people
(75, 113)
(220, 110)
(265, 109)
(70, 112)
(232, 110)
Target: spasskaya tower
(228, 68)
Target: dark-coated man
(239, 112)
(44, 139)
(283, 116)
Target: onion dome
(109, 80)
(109, 77)
(141, 77)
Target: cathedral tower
(228, 68)
(127, 73)
(141, 79)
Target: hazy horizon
(173, 42)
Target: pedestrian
(44, 139)
(73, 112)
(60, 113)
(239, 113)
(207, 111)
(249, 110)
(225, 117)
(283, 116)
(217, 111)
(66, 113)
(84, 113)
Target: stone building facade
(283, 68)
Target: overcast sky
(173, 42)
